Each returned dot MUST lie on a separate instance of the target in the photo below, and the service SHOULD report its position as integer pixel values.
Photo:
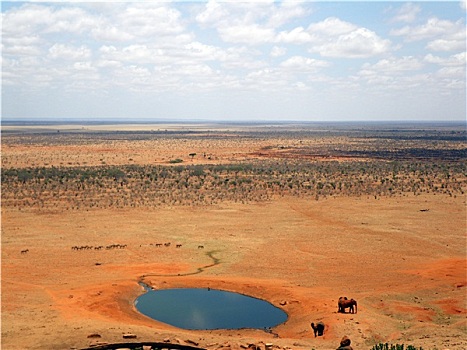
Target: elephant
(345, 344)
(318, 328)
(345, 303)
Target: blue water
(196, 308)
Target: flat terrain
(296, 215)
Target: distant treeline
(155, 185)
(409, 153)
(447, 132)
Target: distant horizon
(149, 121)
(235, 61)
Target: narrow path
(215, 261)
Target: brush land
(296, 214)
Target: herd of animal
(90, 247)
(342, 304)
(115, 246)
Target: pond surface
(196, 308)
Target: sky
(235, 61)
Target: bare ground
(406, 268)
(403, 258)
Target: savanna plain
(295, 214)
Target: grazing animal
(24, 251)
(179, 245)
(318, 328)
(345, 303)
(201, 247)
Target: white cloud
(266, 79)
(453, 60)
(68, 52)
(287, 10)
(433, 28)
(404, 83)
(25, 20)
(84, 66)
(25, 40)
(144, 21)
(103, 63)
(249, 34)
(332, 26)
(359, 43)
(333, 37)
(407, 13)
(138, 72)
(202, 51)
(249, 49)
(213, 13)
(190, 71)
(243, 58)
(456, 73)
(297, 35)
(251, 22)
(303, 64)
(144, 54)
(110, 33)
(409, 74)
(446, 45)
(21, 50)
(394, 65)
(74, 20)
(394, 73)
(34, 73)
(191, 53)
(124, 23)
(137, 53)
(444, 35)
(277, 51)
(134, 77)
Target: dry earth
(406, 267)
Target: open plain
(298, 215)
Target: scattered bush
(255, 181)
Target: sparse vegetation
(135, 185)
(367, 163)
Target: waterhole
(197, 308)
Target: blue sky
(230, 60)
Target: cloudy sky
(221, 60)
